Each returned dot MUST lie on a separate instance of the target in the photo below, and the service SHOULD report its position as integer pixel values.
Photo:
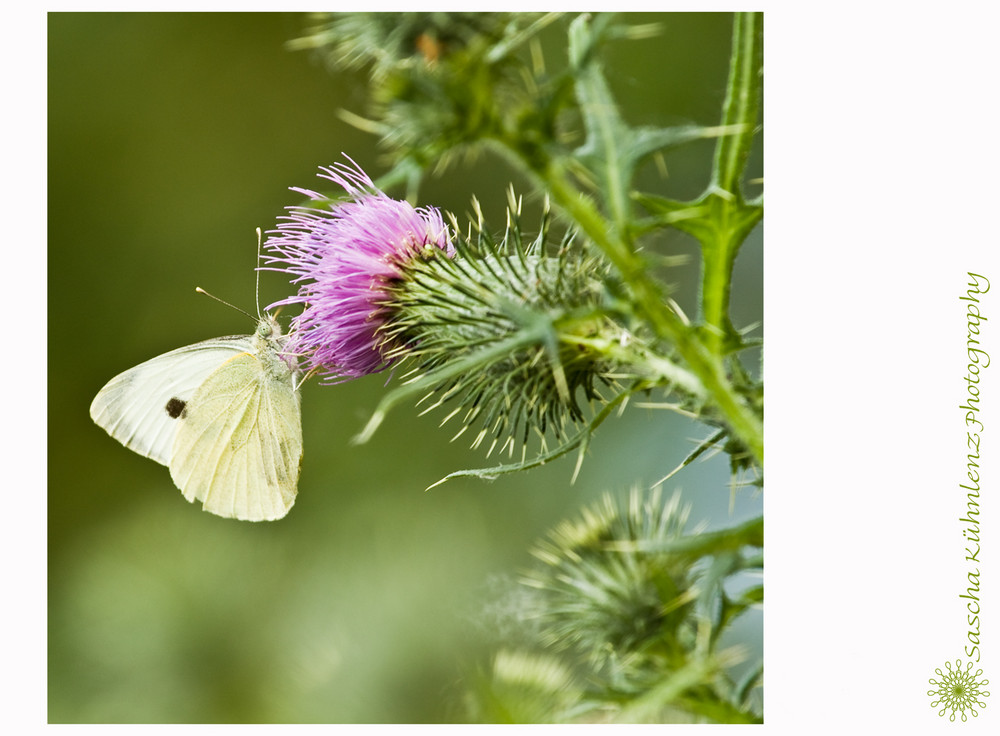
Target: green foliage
(441, 81)
(622, 622)
(628, 611)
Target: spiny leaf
(707, 218)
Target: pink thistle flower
(343, 257)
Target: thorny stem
(702, 351)
(742, 102)
(730, 215)
(652, 306)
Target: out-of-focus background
(171, 138)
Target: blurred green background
(171, 138)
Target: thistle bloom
(510, 333)
(343, 256)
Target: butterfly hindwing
(240, 443)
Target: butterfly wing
(239, 445)
(141, 407)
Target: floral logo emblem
(958, 690)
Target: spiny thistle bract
(624, 609)
(523, 687)
(611, 604)
(385, 42)
(521, 314)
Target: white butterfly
(222, 414)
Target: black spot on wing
(175, 408)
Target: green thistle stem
(654, 369)
(670, 689)
(742, 101)
(731, 217)
(651, 303)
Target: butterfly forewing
(141, 407)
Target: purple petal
(341, 256)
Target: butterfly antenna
(257, 287)
(223, 301)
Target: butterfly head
(268, 327)
(269, 340)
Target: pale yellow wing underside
(239, 443)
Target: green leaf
(612, 149)
(748, 534)
(711, 218)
